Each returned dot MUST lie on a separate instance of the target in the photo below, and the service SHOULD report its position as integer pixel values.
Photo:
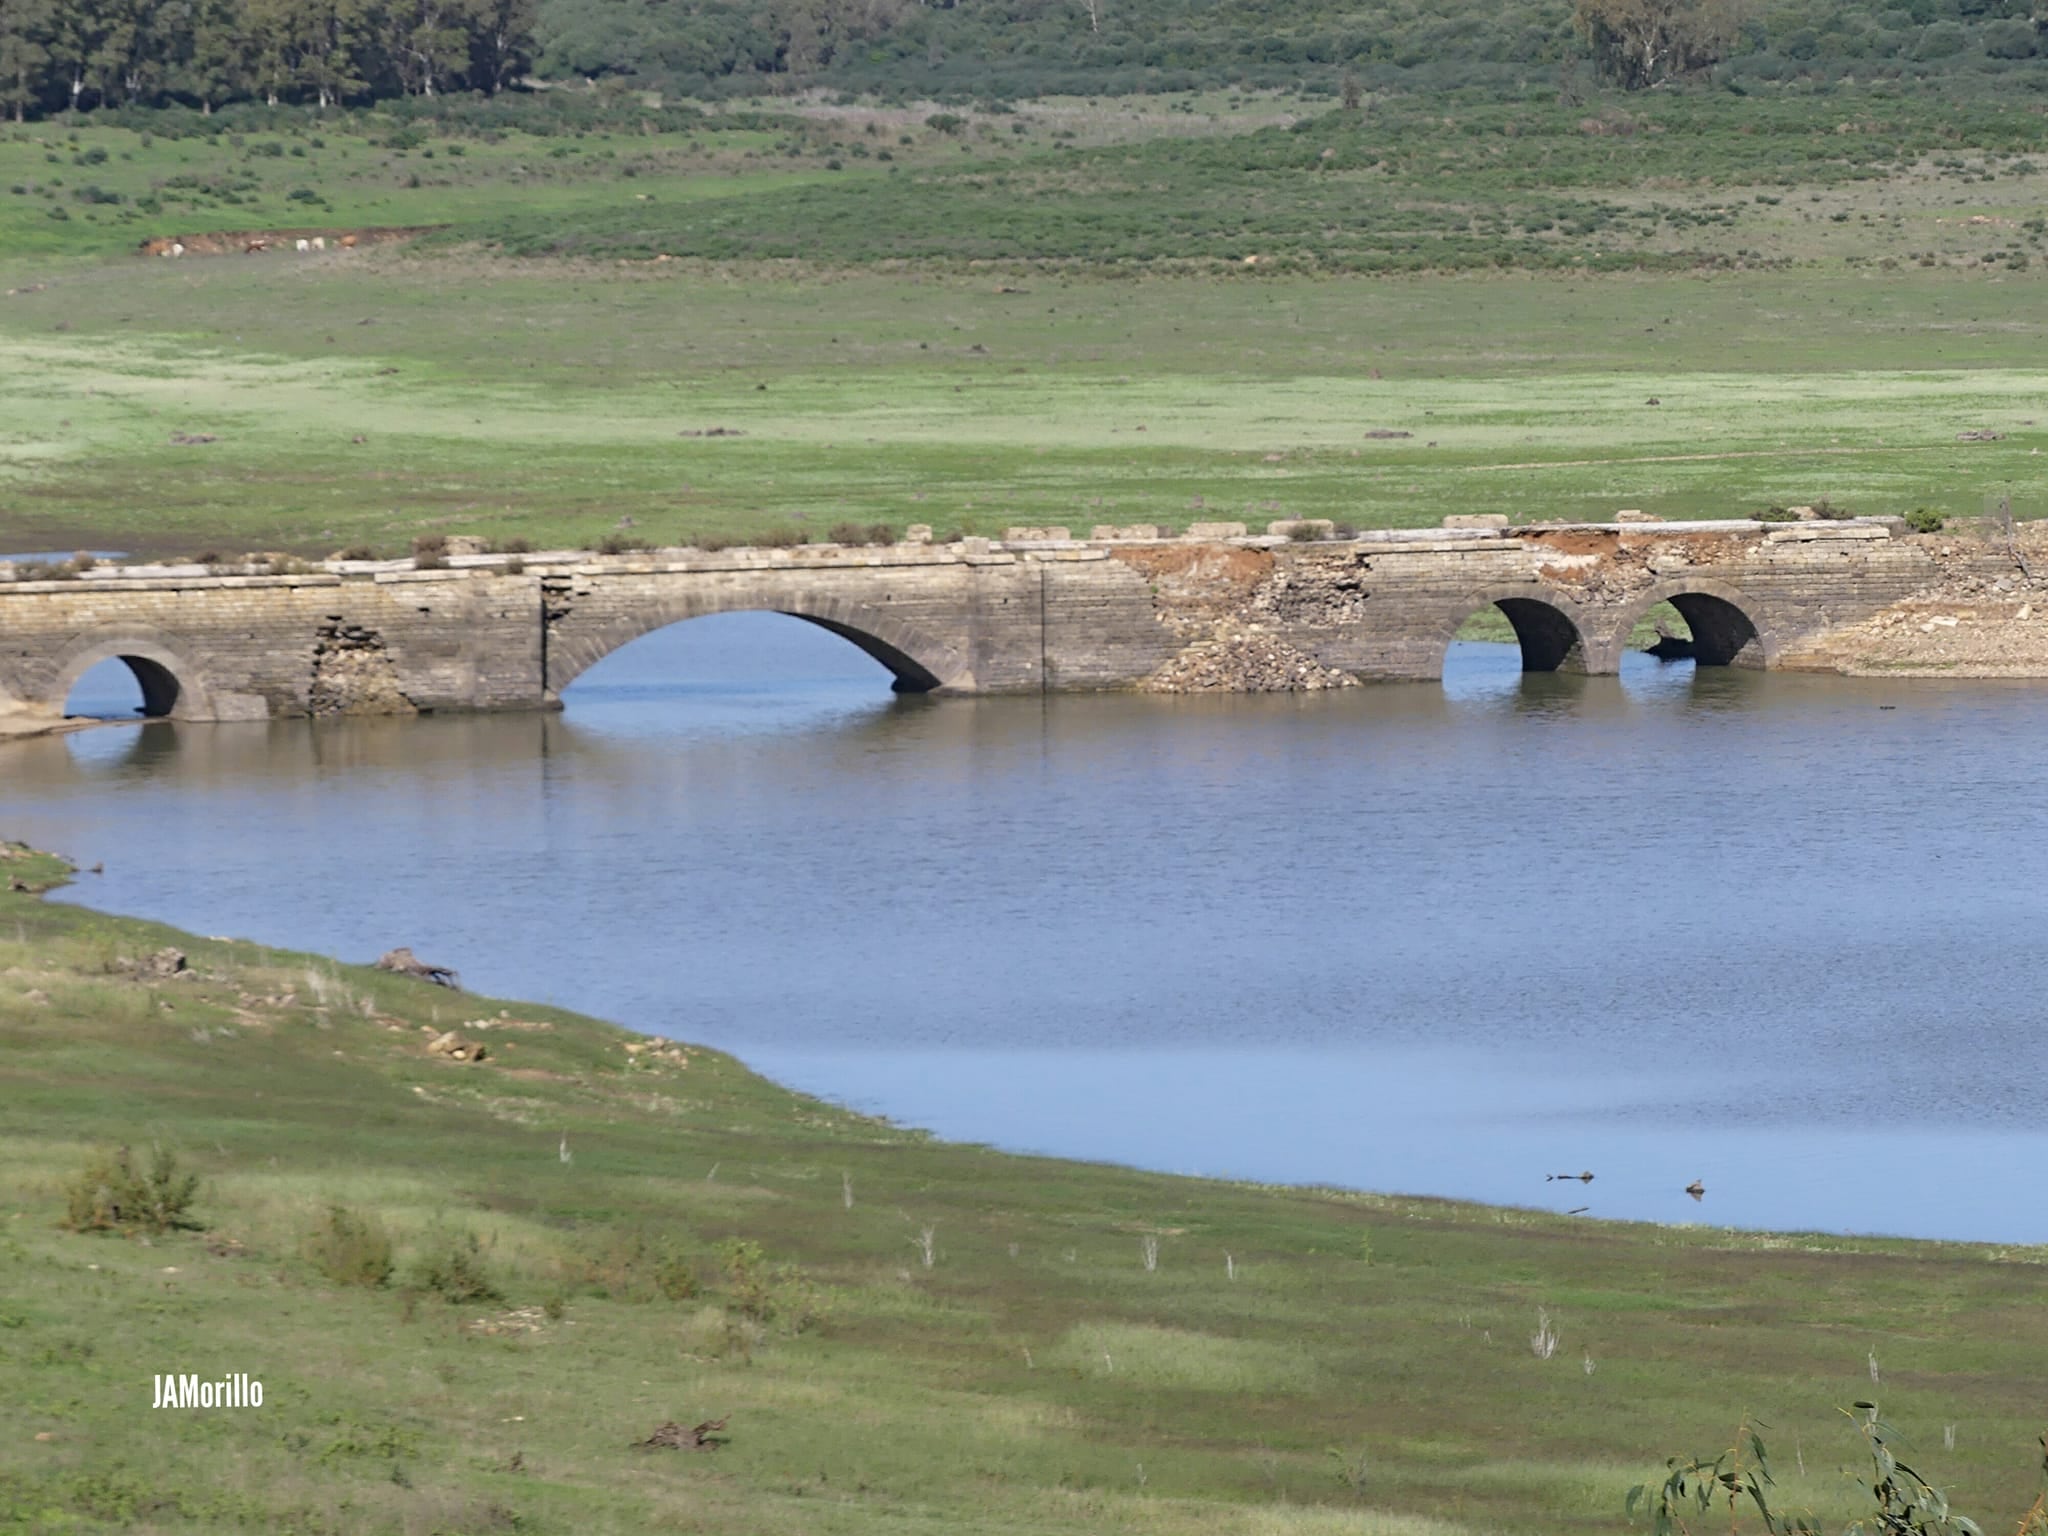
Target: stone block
(1636, 515)
(1036, 535)
(1302, 527)
(1215, 531)
(918, 533)
(1117, 533)
(1476, 520)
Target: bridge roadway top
(972, 551)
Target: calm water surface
(1778, 934)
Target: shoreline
(587, 1234)
(1505, 1212)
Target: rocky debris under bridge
(1984, 615)
(1244, 659)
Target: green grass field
(1830, 336)
(372, 398)
(1035, 1376)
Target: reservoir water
(1775, 934)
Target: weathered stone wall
(1386, 608)
(981, 617)
(256, 647)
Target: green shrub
(627, 1264)
(111, 1194)
(763, 1293)
(452, 1267)
(1925, 520)
(1775, 514)
(350, 1248)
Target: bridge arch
(1726, 631)
(1545, 623)
(172, 686)
(917, 660)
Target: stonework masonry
(1223, 610)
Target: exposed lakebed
(1772, 933)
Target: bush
(859, 534)
(350, 1249)
(1775, 514)
(355, 552)
(2010, 39)
(111, 1194)
(512, 546)
(763, 1293)
(629, 1265)
(452, 1267)
(619, 544)
(784, 537)
(1925, 520)
(430, 552)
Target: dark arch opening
(122, 687)
(1549, 640)
(1721, 634)
(906, 674)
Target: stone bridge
(1023, 615)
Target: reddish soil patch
(1572, 541)
(254, 242)
(1245, 568)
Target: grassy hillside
(1122, 313)
(1412, 185)
(662, 1236)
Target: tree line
(58, 55)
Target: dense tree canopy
(1640, 42)
(86, 53)
(69, 54)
